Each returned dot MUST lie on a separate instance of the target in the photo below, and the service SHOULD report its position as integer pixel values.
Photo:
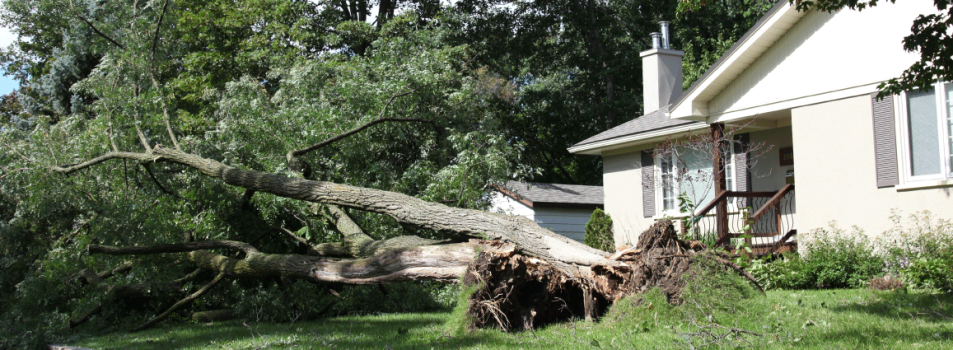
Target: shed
(564, 209)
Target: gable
(822, 56)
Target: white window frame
(942, 106)
(660, 185)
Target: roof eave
(694, 103)
(634, 140)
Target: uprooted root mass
(517, 292)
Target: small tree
(599, 231)
(692, 176)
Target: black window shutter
(648, 184)
(742, 175)
(885, 141)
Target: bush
(922, 252)
(789, 272)
(930, 273)
(832, 258)
(599, 231)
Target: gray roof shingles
(652, 121)
(548, 193)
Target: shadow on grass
(905, 306)
(874, 338)
(886, 320)
(413, 331)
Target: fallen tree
(528, 275)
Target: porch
(754, 211)
(746, 222)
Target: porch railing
(763, 221)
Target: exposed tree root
(520, 293)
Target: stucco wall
(836, 178)
(622, 179)
(825, 52)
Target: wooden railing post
(777, 218)
(718, 167)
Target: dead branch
(380, 119)
(181, 303)
(156, 181)
(93, 27)
(740, 271)
(172, 248)
(129, 291)
(142, 157)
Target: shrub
(599, 231)
(831, 258)
(920, 252)
(789, 272)
(931, 273)
(841, 259)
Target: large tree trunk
(445, 262)
(529, 237)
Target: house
(564, 209)
(803, 85)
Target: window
(688, 171)
(926, 125)
(668, 183)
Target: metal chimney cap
(666, 38)
(656, 40)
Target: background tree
(149, 105)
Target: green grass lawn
(828, 319)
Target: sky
(7, 84)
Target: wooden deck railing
(766, 231)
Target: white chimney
(661, 71)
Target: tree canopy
(125, 108)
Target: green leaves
(599, 231)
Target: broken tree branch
(181, 303)
(93, 27)
(143, 157)
(565, 253)
(431, 262)
(172, 248)
(380, 119)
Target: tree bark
(565, 254)
(445, 262)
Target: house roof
(660, 120)
(654, 121)
(536, 194)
